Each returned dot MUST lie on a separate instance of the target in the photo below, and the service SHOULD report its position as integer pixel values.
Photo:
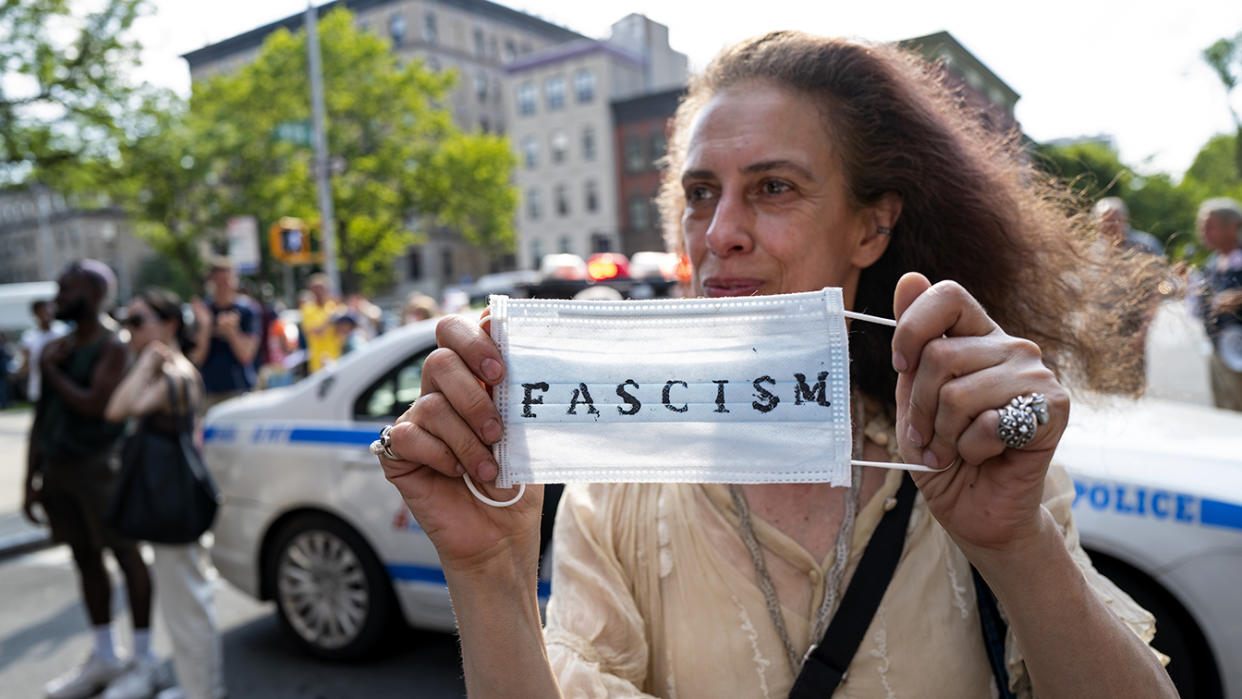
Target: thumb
(909, 287)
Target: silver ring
(383, 445)
(1020, 419)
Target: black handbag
(164, 494)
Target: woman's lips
(719, 287)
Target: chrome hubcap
(323, 589)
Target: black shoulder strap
(994, 629)
(826, 664)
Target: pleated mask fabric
(733, 390)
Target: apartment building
(476, 39)
(641, 131)
(562, 128)
(42, 231)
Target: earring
(883, 230)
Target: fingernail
(491, 430)
(491, 370)
(487, 470)
(929, 459)
(914, 437)
(460, 469)
(899, 362)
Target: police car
(309, 521)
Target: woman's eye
(775, 187)
(698, 193)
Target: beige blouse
(655, 594)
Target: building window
(530, 152)
(478, 42)
(431, 31)
(592, 196)
(560, 146)
(526, 98)
(635, 161)
(600, 243)
(562, 200)
(536, 253)
(446, 263)
(485, 124)
(396, 28)
(480, 86)
(532, 204)
(658, 145)
(554, 93)
(510, 50)
(588, 143)
(638, 213)
(414, 264)
(584, 85)
(564, 244)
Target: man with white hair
(1218, 298)
(1114, 218)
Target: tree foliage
(1093, 170)
(399, 163)
(63, 94)
(1225, 58)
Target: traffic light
(289, 240)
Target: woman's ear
(879, 219)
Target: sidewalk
(16, 534)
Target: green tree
(1091, 170)
(399, 163)
(1157, 204)
(1225, 58)
(63, 94)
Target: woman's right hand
(450, 428)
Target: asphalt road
(43, 632)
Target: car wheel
(332, 595)
(1191, 666)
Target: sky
(1128, 69)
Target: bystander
(228, 336)
(72, 466)
(33, 340)
(322, 344)
(1218, 296)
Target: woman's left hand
(957, 368)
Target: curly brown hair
(974, 209)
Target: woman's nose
(732, 227)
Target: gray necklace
(832, 584)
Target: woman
(159, 337)
(799, 163)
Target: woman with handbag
(164, 391)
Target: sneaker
(137, 682)
(173, 692)
(85, 679)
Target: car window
(388, 397)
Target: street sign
(243, 232)
(297, 132)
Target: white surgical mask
(738, 390)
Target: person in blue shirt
(228, 336)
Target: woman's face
(143, 325)
(766, 204)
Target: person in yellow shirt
(322, 344)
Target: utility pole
(322, 162)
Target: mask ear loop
(888, 464)
(474, 490)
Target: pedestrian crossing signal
(289, 241)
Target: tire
(332, 595)
(1191, 665)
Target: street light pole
(319, 134)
